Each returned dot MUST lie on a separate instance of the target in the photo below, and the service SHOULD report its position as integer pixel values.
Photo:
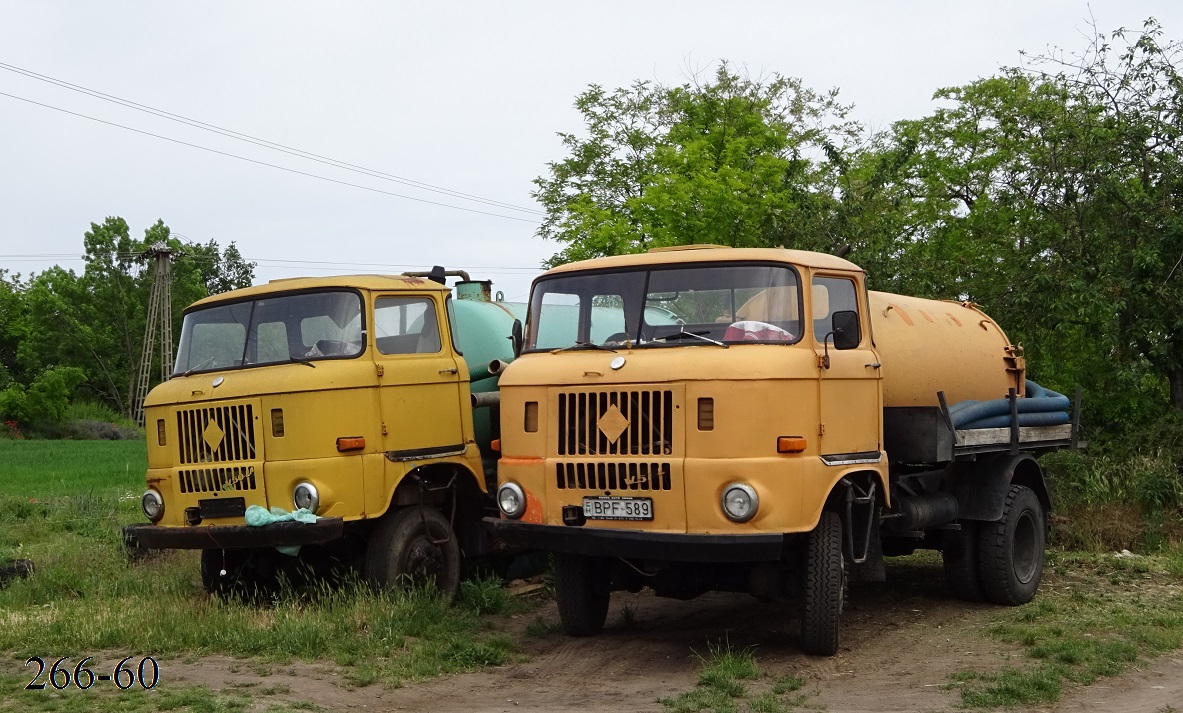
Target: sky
(463, 96)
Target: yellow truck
(364, 401)
(763, 423)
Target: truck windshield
(271, 330)
(728, 303)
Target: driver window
(406, 325)
(830, 295)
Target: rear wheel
(1010, 551)
(822, 588)
(960, 554)
(414, 547)
(582, 590)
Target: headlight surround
(153, 505)
(512, 500)
(306, 496)
(740, 502)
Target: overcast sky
(466, 96)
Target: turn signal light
(790, 444)
(351, 443)
(531, 421)
(495, 445)
(160, 436)
(277, 422)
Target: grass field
(62, 504)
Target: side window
(830, 295)
(453, 325)
(406, 325)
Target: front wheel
(413, 547)
(582, 590)
(1010, 551)
(823, 585)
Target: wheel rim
(1026, 555)
(425, 562)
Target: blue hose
(1041, 407)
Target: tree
(735, 161)
(1053, 198)
(95, 321)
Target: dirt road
(900, 643)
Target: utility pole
(159, 324)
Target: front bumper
(234, 537)
(634, 544)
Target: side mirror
(516, 338)
(846, 330)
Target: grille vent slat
(614, 477)
(212, 480)
(237, 442)
(649, 415)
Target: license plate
(611, 508)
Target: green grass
(63, 504)
(1103, 615)
(41, 469)
(724, 686)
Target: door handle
(873, 365)
(449, 371)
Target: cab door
(419, 378)
(849, 390)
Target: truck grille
(214, 480)
(216, 434)
(616, 423)
(613, 476)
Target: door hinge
(383, 428)
(821, 429)
(381, 369)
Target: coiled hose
(1040, 407)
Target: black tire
(414, 547)
(1010, 551)
(582, 590)
(960, 554)
(822, 587)
(250, 575)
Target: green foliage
(43, 401)
(94, 322)
(733, 161)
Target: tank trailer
(763, 423)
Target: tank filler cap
(617, 363)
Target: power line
(269, 165)
(264, 142)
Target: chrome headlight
(740, 502)
(512, 500)
(153, 505)
(305, 496)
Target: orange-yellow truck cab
(345, 397)
(761, 423)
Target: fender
(981, 486)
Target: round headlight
(153, 505)
(306, 497)
(740, 502)
(511, 500)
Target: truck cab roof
(709, 253)
(360, 282)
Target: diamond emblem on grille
(212, 435)
(612, 423)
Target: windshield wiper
(199, 366)
(301, 360)
(697, 335)
(585, 345)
